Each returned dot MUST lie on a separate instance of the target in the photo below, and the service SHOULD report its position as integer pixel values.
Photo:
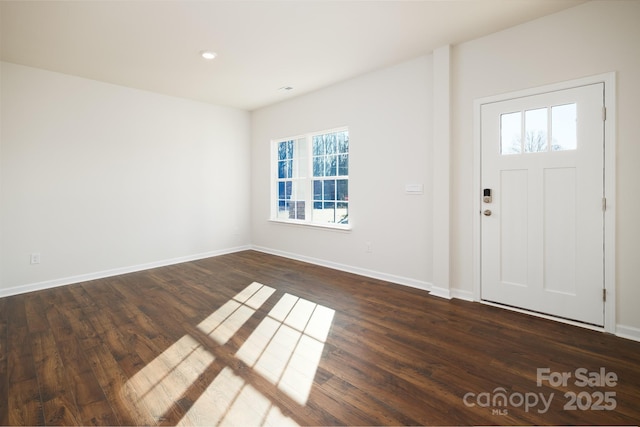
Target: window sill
(330, 227)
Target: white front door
(542, 232)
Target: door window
(539, 130)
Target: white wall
(390, 128)
(98, 177)
(593, 38)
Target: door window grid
(555, 124)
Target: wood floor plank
(83, 330)
(58, 401)
(4, 373)
(35, 313)
(93, 407)
(24, 401)
(24, 404)
(127, 350)
(120, 395)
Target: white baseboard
(449, 293)
(462, 294)
(628, 332)
(114, 272)
(441, 292)
(413, 283)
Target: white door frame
(609, 80)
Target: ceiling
(262, 45)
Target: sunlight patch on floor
(229, 401)
(285, 349)
(287, 345)
(223, 323)
(165, 379)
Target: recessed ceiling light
(207, 54)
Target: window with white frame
(311, 177)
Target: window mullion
(308, 206)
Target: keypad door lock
(486, 195)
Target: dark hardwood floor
(254, 339)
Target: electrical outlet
(35, 258)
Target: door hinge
(604, 294)
(604, 114)
(604, 204)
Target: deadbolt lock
(486, 195)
